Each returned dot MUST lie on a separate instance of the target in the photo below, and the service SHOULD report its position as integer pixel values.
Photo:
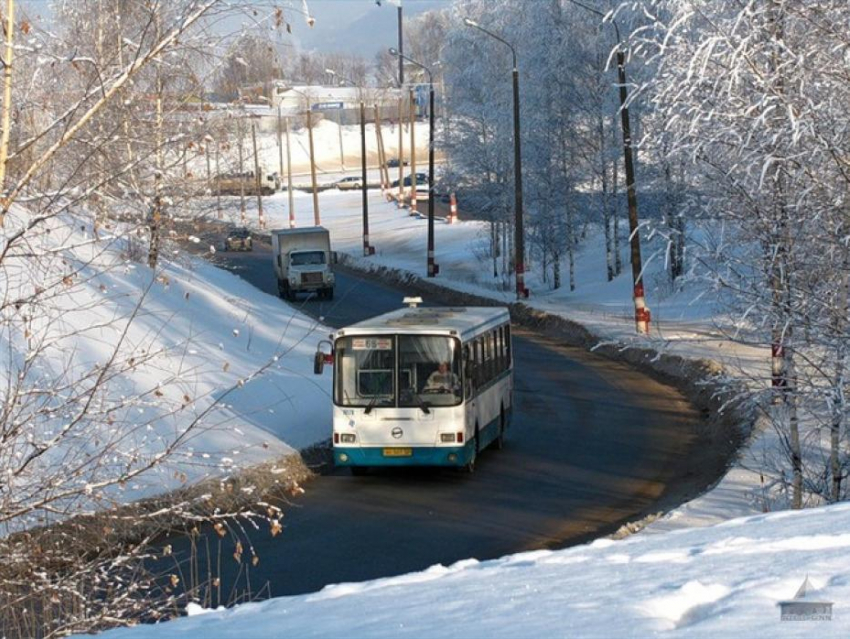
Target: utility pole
(259, 179)
(367, 249)
(316, 218)
(433, 269)
(385, 174)
(290, 196)
(642, 314)
(519, 234)
(519, 244)
(400, 49)
(412, 105)
(241, 133)
(279, 144)
(339, 128)
(400, 150)
(217, 179)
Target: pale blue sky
(349, 26)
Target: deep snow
(721, 581)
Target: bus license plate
(398, 452)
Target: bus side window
(508, 344)
(468, 371)
(500, 348)
(479, 364)
(500, 360)
(485, 342)
(491, 359)
(491, 356)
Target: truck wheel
(329, 293)
(281, 289)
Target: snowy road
(593, 444)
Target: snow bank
(195, 344)
(721, 581)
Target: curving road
(593, 444)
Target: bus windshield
(426, 370)
(429, 371)
(365, 371)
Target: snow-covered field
(723, 581)
(326, 145)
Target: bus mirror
(321, 357)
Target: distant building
(334, 102)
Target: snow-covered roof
(462, 321)
(319, 92)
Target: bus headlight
(343, 457)
(348, 438)
(447, 438)
(452, 458)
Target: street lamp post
(336, 79)
(433, 267)
(400, 49)
(519, 239)
(642, 314)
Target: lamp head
(470, 23)
(394, 52)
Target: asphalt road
(593, 444)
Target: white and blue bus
(421, 386)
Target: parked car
(421, 178)
(350, 183)
(393, 163)
(239, 240)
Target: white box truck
(302, 262)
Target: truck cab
(302, 262)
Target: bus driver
(442, 380)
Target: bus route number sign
(372, 344)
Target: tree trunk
(156, 214)
(839, 406)
(606, 200)
(618, 262)
(556, 270)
